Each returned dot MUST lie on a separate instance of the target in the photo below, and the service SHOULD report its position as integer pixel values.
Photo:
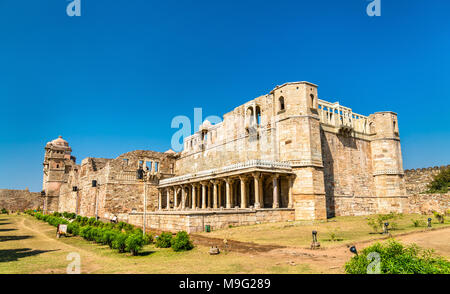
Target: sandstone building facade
(286, 155)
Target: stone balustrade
(339, 116)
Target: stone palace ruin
(287, 155)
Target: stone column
(194, 197)
(219, 201)
(159, 199)
(275, 191)
(183, 197)
(291, 199)
(168, 199)
(203, 195)
(243, 192)
(228, 183)
(261, 191)
(215, 183)
(175, 198)
(209, 195)
(257, 179)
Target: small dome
(170, 151)
(60, 142)
(205, 125)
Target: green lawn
(346, 229)
(29, 246)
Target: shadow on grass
(7, 230)
(13, 238)
(14, 254)
(146, 253)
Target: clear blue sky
(111, 80)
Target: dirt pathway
(39, 240)
(331, 260)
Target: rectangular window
(141, 163)
(148, 165)
(125, 161)
(156, 166)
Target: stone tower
(298, 131)
(57, 163)
(387, 162)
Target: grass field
(30, 246)
(345, 229)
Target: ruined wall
(417, 180)
(118, 192)
(20, 200)
(427, 203)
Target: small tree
(119, 242)
(181, 242)
(440, 182)
(164, 240)
(134, 243)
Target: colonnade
(239, 191)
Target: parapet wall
(20, 200)
(417, 180)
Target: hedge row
(122, 236)
(180, 242)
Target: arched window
(281, 103)
(258, 115)
(312, 100)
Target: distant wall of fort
(20, 200)
(416, 181)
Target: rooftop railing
(340, 116)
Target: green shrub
(73, 228)
(164, 240)
(91, 221)
(378, 222)
(418, 223)
(109, 236)
(396, 258)
(4, 211)
(440, 182)
(134, 243)
(85, 232)
(148, 239)
(181, 242)
(439, 217)
(119, 242)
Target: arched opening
(312, 100)
(281, 103)
(258, 115)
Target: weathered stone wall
(118, 191)
(196, 221)
(20, 200)
(417, 180)
(348, 175)
(427, 203)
